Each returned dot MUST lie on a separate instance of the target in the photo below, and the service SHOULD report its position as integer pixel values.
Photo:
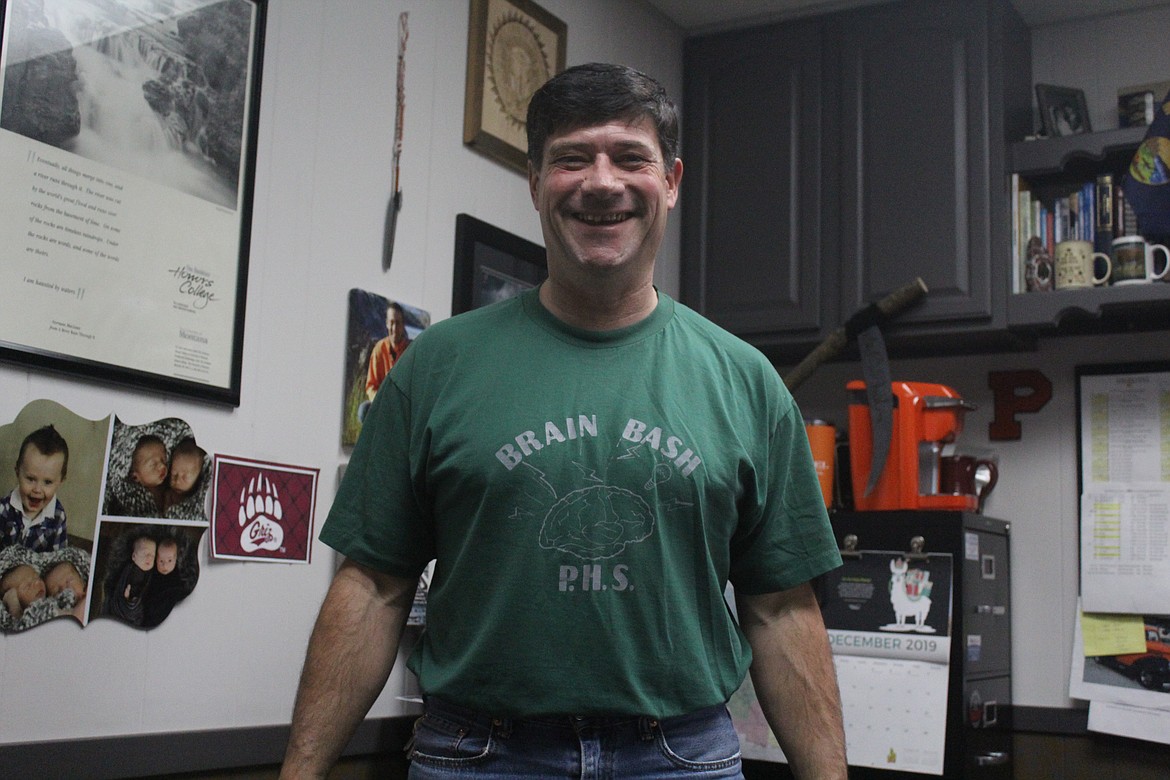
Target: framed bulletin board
(1123, 430)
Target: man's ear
(533, 181)
(673, 180)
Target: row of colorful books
(1096, 212)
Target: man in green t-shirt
(589, 464)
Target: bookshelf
(1053, 168)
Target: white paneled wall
(231, 654)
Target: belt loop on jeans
(408, 748)
(647, 727)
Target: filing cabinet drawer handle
(993, 758)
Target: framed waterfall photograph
(127, 156)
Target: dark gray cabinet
(853, 153)
(756, 230)
(925, 88)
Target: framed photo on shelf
(125, 219)
(1063, 110)
(492, 264)
(513, 47)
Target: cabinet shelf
(1092, 310)
(1055, 156)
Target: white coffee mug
(1134, 262)
(1075, 264)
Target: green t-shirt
(587, 497)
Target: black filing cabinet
(978, 734)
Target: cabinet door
(753, 235)
(915, 184)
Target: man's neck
(598, 308)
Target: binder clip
(917, 549)
(849, 547)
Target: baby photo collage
(100, 519)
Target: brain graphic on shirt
(596, 522)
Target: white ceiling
(710, 15)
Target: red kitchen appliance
(926, 417)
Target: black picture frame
(492, 264)
(125, 215)
(1063, 110)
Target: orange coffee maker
(926, 417)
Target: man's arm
(796, 684)
(351, 652)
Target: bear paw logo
(260, 515)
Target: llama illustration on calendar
(909, 597)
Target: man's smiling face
(604, 193)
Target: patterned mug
(1075, 265)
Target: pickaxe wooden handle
(874, 314)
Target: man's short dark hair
(595, 93)
(48, 442)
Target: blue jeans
(454, 742)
